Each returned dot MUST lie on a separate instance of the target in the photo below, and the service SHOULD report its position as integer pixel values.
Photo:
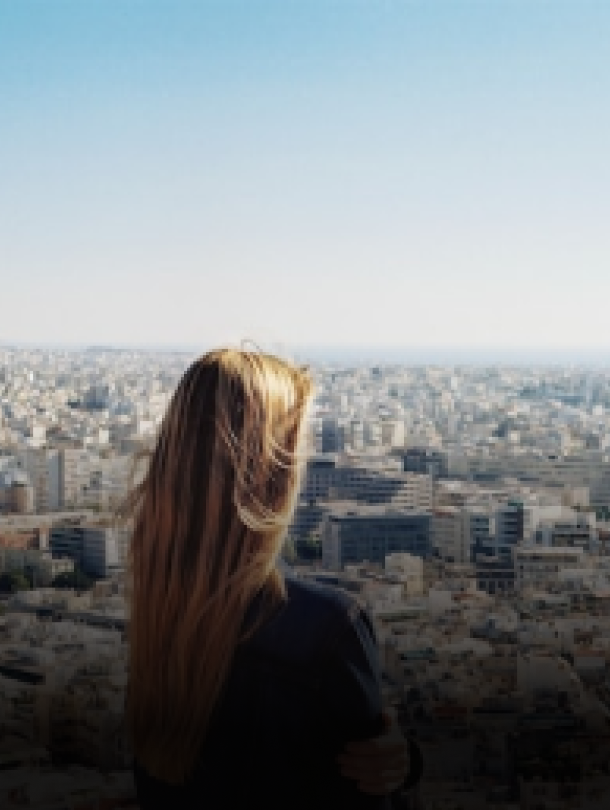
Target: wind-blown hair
(208, 519)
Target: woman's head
(209, 517)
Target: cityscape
(467, 507)
(411, 199)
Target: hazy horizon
(359, 353)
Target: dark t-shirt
(305, 683)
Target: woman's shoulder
(307, 621)
(329, 601)
(329, 605)
(351, 673)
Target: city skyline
(359, 354)
(467, 509)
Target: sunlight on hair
(209, 507)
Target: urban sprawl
(468, 508)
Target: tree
(11, 582)
(76, 580)
(289, 553)
(311, 548)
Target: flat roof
(341, 509)
(549, 551)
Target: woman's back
(242, 687)
(301, 686)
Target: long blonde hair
(208, 518)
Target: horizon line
(351, 352)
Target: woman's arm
(385, 763)
(352, 688)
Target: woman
(246, 684)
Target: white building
(409, 570)
(537, 567)
(450, 537)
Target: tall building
(409, 570)
(16, 494)
(329, 479)
(333, 435)
(510, 529)
(575, 530)
(94, 549)
(368, 534)
(480, 530)
(74, 471)
(450, 539)
(100, 551)
(426, 460)
(537, 567)
(43, 467)
(393, 432)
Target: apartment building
(332, 435)
(408, 569)
(369, 533)
(588, 469)
(510, 528)
(94, 549)
(74, 475)
(479, 530)
(16, 496)
(43, 467)
(337, 479)
(537, 567)
(426, 460)
(572, 530)
(450, 538)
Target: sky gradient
(316, 173)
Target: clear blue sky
(323, 172)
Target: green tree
(76, 580)
(310, 548)
(289, 552)
(11, 582)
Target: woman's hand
(379, 765)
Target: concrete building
(74, 475)
(426, 460)
(100, 551)
(537, 567)
(332, 435)
(510, 529)
(495, 576)
(479, 530)
(392, 432)
(358, 534)
(43, 467)
(408, 569)
(16, 495)
(94, 549)
(572, 530)
(336, 479)
(450, 539)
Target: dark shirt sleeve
(417, 765)
(352, 688)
